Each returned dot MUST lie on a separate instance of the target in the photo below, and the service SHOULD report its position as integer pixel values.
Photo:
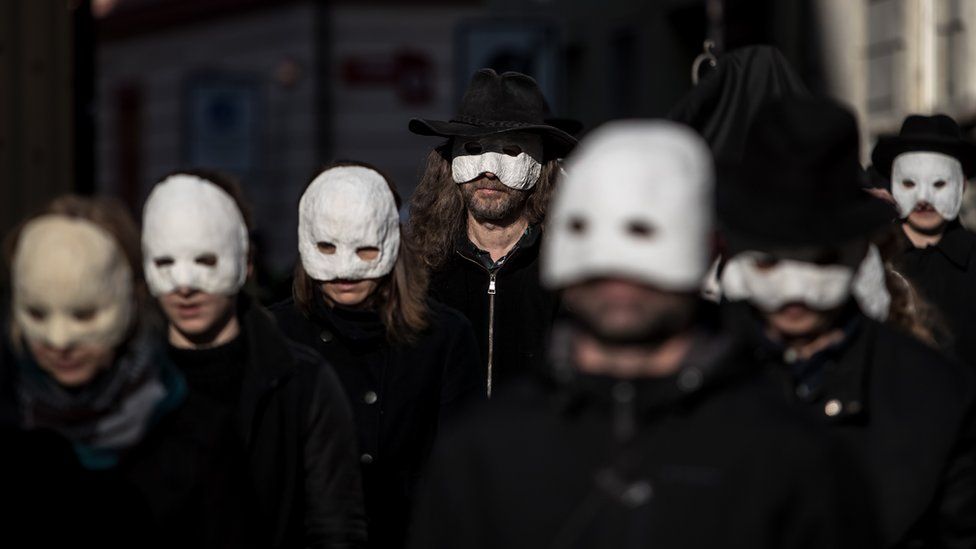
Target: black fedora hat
(800, 181)
(498, 103)
(938, 133)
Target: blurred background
(107, 96)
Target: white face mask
(515, 158)
(187, 224)
(636, 203)
(929, 177)
(347, 210)
(71, 284)
(870, 288)
(785, 281)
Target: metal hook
(706, 55)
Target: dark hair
(437, 213)
(400, 298)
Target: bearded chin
(504, 208)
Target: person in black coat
(477, 217)
(798, 227)
(927, 165)
(408, 364)
(291, 417)
(105, 431)
(654, 428)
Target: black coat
(708, 458)
(511, 324)
(400, 395)
(906, 412)
(298, 429)
(945, 275)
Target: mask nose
(59, 333)
(183, 275)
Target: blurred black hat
(938, 133)
(800, 181)
(495, 104)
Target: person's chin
(928, 221)
(194, 326)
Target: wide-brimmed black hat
(496, 104)
(938, 133)
(799, 182)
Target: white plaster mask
(345, 210)
(514, 157)
(636, 202)
(929, 177)
(769, 282)
(71, 284)
(193, 236)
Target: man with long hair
(477, 215)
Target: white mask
(820, 287)
(637, 203)
(924, 169)
(870, 288)
(186, 223)
(346, 209)
(514, 157)
(71, 284)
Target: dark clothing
(945, 276)
(295, 423)
(510, 312)
(400, 394)
(217, 372)
(709, 457)
(906, 412)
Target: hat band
(492, 123)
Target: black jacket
(509, 310)
(906, 412)
(400, 395)
(945, 275)
(707, 458)
(300, 440)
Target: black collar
(957, 244)
(468, 250)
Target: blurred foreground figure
(653, 429)
(798, 227)
(477, 217)
(928, 164)
(154, 465)
(289, 409)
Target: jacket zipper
(491, 327)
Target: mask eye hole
(577, 225)
(640, 229)
(939, 184)
(908, 184)
(368, 253)
(473, 147)
(164, 261)
(512, 150)
(766, 262)
(36, 313)
(207, 260)
(84, 315)
(327, 248)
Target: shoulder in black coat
(401, 394)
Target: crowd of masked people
(713, 330)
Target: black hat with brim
(800, 181)
(496, 104)
(938, 133)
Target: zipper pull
(491, 285)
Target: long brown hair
(401, 296)
(437, 214)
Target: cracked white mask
(193, 236)
(930, 177)
(636, 202)
(514, 157)
(71, 284)
(346, 211)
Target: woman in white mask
(360, 299)
(289, 407)
(86, 366)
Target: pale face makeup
(73, 297)
(927, 185)
(193, 237)
(514, 158)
